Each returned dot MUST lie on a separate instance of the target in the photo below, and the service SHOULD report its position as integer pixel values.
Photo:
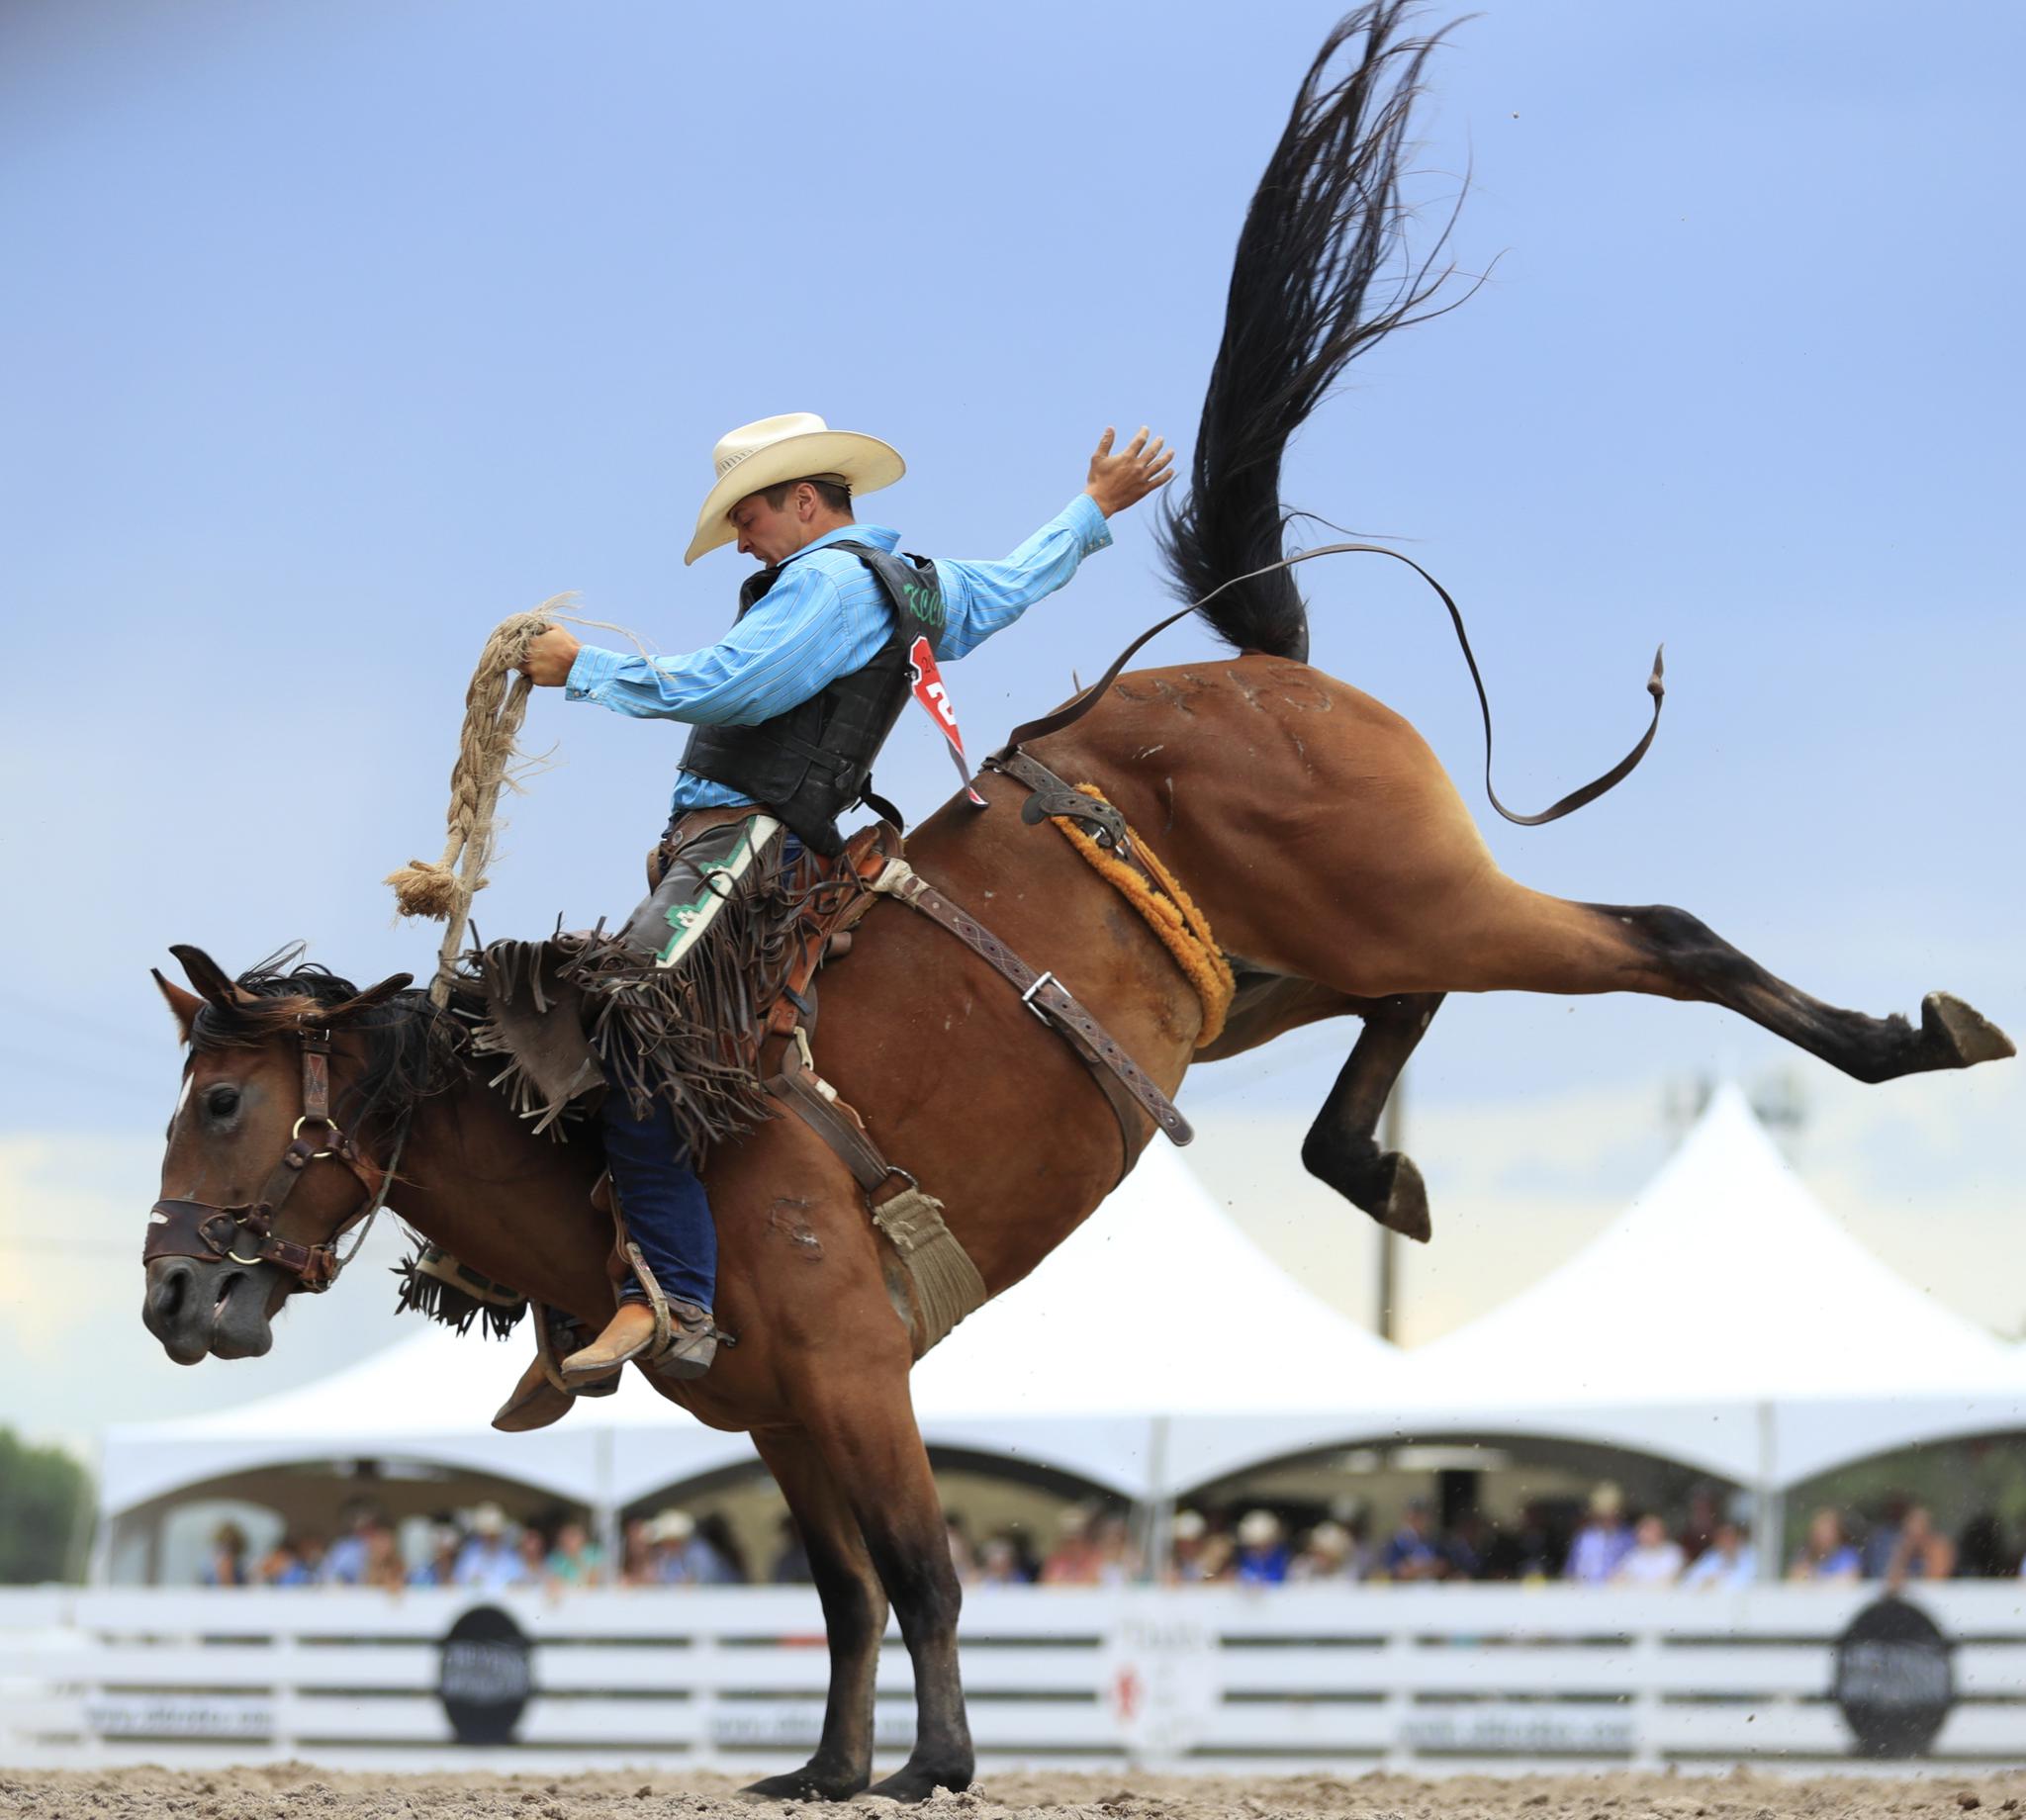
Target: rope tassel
(494, 708)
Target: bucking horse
(1310, 828)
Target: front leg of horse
(1342, 1146)
(854, 1619)
(862, 1420)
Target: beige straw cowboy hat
(795, 447)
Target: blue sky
(338, 333)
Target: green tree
(44, 1507)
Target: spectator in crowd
(1653, 1560)
(1465, 1546)
(1728, 1565)
(488, 1561)
(1074, 1561)
(1412, 1552)
(791, 1566)
(1704, 1518)
(446, 1542)
(1826, 1557)
(636, 1553)
(1603, 1542)
(1921, 1553)
(714, 1531)
(284, 1565)
(384, 1567)
(576, 1560)
(1530, 1552)
(532, 1551)
(1118, 1554)
(1329, 1555)
(345, 1564)
(681, 1556)
(998, 1563)
(1186, 1537)
(1262, 1550)
(226, 1565)
(1980, 1551)
(1884, 1539)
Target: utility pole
(1391, 1124)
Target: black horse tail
(1324, 233)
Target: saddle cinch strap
(1125, 1083)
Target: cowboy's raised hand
(1125, 478)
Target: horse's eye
(222, 1102)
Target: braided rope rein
(494, 709)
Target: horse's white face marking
(183, 1098)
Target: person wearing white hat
(488, 1561)
(787, 710)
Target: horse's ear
(185, 1005)
(211, 981)
(374, 996)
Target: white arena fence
(1428, 1679)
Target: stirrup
(668, 1331)
(550, 1350)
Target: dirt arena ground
(299, 1791)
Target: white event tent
(1724, 1321)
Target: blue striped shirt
(824, 617)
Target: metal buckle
(1027, 997)
(297, 1131)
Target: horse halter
(201, 1228)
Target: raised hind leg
(1527, 941)
(1341, 1147)
(853, 1618)
(1693, 961)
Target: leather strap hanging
(1074, 711)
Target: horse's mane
(413, 1047)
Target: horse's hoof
(917, 1783)
(1405, 1206)
(1387, 1187)
(808, 1783)
(1965, 1035)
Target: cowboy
(789, 711)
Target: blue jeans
(668, 1214)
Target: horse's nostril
(169, 1290)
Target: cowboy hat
(795, 447)
(672, 1526)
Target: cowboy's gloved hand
(549, 658)
(1125, 478)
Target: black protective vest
(813, 762)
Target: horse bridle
(201, 1228)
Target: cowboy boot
(534, 1403)
(630, 1334)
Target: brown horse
(1329, 848)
